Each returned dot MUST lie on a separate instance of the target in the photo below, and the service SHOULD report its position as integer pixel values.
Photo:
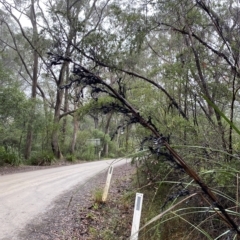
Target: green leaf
(221, 114)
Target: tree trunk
(105, 148)
(29, 139)
(234, 93)
(127, 138)
(57, 110)
(55, 133)
(64, 123)
(75, 131)
(96, 121)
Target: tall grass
(169, 215)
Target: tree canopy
(155, 75)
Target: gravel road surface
(25, 195)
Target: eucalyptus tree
(69, 24)
(195, 58)
(62, 24)
(120, 103)
(26, 42)
(125, 46)
(209, 43)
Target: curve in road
(25, 195)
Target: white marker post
(106, 188)
(136, 216)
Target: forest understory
(158, 81)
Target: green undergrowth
(112, 220)
(10, 156)
(174, 207)
(172, 201)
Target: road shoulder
(73, 215)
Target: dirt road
(24, 195)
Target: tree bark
(55, 133)
(57, 110)
(105, 148)
(29, 139)
(64, 121)
(75, 131)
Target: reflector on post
(106, 188)
(136, 216)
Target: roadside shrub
(97, 195)
(42, 159)
(88, 153)
(112, 155)
(71, 158)
(10, 155)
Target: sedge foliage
(174, 206)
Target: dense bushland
(86, 80)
